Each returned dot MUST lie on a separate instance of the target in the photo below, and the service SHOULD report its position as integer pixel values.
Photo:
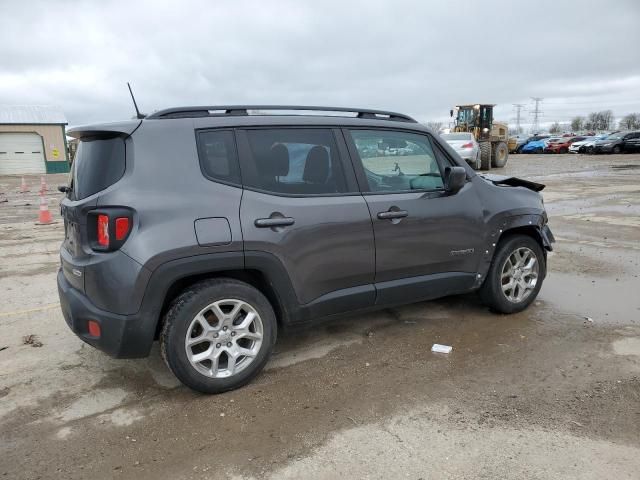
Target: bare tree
(606, 119)
(630, 122)
(554, 128)
(599, 120)
(435, 126)
(577, 124)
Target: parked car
(562, 146)
(466, 146)
(537, 146)
(533, 138)
(212, 229)
(617, 143)
(586, 145)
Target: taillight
(468, 145)
(103, 230)
(109, 227)
(122, 228)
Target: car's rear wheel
(616, 149)
(515, 276)
(564, 150)
(218, 335)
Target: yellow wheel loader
(491, 136)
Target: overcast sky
(416, 57)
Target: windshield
(466, 115)
(456, 136)
(614, 136)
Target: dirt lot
(553, 392)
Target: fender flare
(536, 222)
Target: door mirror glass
(454, 179)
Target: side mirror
(63, 188)
(454, 179)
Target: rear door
(632, 142)
(427, 242)
(301, 206)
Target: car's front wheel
(515, 276)
(218, 335)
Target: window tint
(99, 163)
(397, 161)
(218, 159)
(294, 161)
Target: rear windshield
(98, 164)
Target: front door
(302, 206)
(427, 241)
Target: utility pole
(536, 114)
(518, 107)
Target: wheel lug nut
(229, 344)
(215, 335)
(224, 328)
(218, 345)
(233, 334)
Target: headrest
(316, 168)
(276, 162)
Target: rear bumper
(122, 336)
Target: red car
(561, 146)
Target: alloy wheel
(519, 275)
(224, 338)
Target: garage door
(21, 153)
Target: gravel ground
(553, 392)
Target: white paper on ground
(441, 348)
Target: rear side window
(294, 161)
(218, 158)
(98, 164)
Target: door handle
(391, 214)
(274, 222)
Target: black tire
(539, 150)
(564, 150)
(182, 312)
(589, 150)
(485, 155)
(616, 149)
(499, 155)
(491, 291)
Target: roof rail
(224, 110)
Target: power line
(518, 107)
(537, 113)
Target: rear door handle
(391, 214)
(274, 222)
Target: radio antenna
(138, 114)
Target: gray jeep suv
(210, 228)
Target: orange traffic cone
(43, 184)
(23, 186)
(45, 215)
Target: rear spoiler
(116, 129)
(513, 182)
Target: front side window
(294, 161)
(218, 159)
(397, 161)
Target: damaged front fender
(502, 180)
